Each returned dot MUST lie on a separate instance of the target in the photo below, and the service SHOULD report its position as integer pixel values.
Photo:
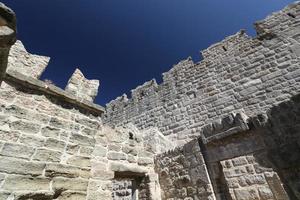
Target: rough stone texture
(238, 109)
(123, 190)
(61, 150)
(248, 179)
(7, 36)
(183, 174)
(238, 74)
(82, 88)
(28, 64)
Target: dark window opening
(130, 136)
(291, 15)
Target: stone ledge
(228, 126)
(234, 123)
(38, 85)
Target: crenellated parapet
(26, 63)
(147, 89)
(226, 47)
(227, 127)
(177, 70)
(81, 87)
(25, 69)
(238, 74)
(282, 23)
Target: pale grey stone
(81, 139)
(17, 150)
(14, 183)
(55, 144)
(79, 161)
(116, 156)
(25, 126)
(53, 170)
(99, 151)
(74, 184)
(19, 166)
(81, 87)
(47, 155)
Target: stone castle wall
(238, 74)
(53, 144)
(239, 109)
(183, 173)
(242, 159)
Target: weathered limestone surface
(183, 173)
(247, 179)
(50, 148)
(80, 87)
(28, 64)
(53, 144)
(238, 109)
(238, 74)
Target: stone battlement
(238, 74)
(226, 127)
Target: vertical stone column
(7, 36)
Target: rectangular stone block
(239, 161)
(19, 166)
(55, 144)
(81, 139)
(75, 184)
(246, 194)
(47, 155)
(8, 135)
(53, 170)
(86, 151)
(33, 195)
(17, 150)
(145, 161)
(87, 122)
(116, 156)
(17, 182)
(50, 132)
(72, 148)
(32, 140)
(99, 151)
(59, 123)
(79, 161)
(68, 195)
(25, 126)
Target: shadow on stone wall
(239, 157)
(282, 139)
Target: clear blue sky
(124, 43)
